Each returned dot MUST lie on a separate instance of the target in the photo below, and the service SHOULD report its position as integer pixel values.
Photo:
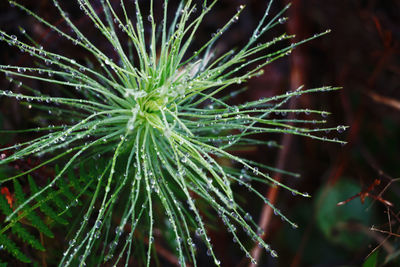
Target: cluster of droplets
(210, 129)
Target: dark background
(361, 54)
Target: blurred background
(361, 54)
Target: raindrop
(274, 254)
(255, 171)
(247, 216)
(260, 231)
(209, 252)
(282, 20)
(341, 128)
(198, 232)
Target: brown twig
(370, 159)
(43, 254)
(394, 103)
(296, 80)
(343, 160)
(358, 227)
(165, 253)
(387, 237)
(366, 193)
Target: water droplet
(255, 171)
(199, 231)
(341, 128)
(209, 253)
(274, 254)
(282, 20)
(247, 216)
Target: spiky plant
(160, 117)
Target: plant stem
(297, 76)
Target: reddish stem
(296, 80)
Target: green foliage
(33, 218)
(163, 121)
(44, 207)
(371, 260)
(54, 206)
(335, 221)
(8, 245)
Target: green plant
(161, 118)
(53, 204)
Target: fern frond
(44, 207)
(27, 237)
(32, 217)
(5, 242)
(12, 248)
(62, 197)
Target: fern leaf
(32, 217)
(61, 204)
(19, 193)
(44, 207)
(4, 206)
(27, 237)
(65, 189)
(12, 248)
